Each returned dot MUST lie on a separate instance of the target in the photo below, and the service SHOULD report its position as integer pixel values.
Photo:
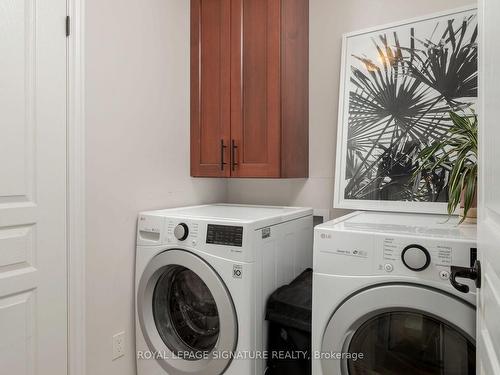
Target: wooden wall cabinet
(250, 88)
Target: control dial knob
(181, 231)
(416, 257)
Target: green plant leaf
(457, 153)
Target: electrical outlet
(118, 345)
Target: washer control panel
(227, 235)
(191, 232)
(181, 231)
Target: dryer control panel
(426, 257)
(363, 254)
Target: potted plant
(458, 155)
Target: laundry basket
(289, 314)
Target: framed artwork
(398, 84)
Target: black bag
(289, 314)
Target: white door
(488, 331)
(33, 286)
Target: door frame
(76, 216)
(488, 359)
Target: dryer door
(186, 314)
(396, 329)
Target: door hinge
(68, 26)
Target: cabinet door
(255, 88)
(210, 87)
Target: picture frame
(376, 152)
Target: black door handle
(233, 154)
(473, 273)
(222, 147)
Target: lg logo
(325, 236)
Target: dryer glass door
(407, 342)
(396, 329)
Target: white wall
(329, 19)
(137, 152)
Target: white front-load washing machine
(382, 299)
(203, 275)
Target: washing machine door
(186, 315)
(397, 329)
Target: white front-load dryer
(382, 298)
(203, 275)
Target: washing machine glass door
(186, 314)
(400, 329)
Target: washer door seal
(171, 348)
(376, 301)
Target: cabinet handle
(222, 147)
(233, 155)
